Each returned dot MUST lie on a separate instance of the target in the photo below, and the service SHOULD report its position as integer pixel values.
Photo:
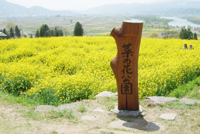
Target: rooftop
(2, 34)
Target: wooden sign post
(125, 64)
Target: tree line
(43, 31)
(12, 33)
(187, 34)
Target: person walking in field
(185, 46)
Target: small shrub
(16, 86)
(82, 109)
(67, 113)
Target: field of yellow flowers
(65, 69)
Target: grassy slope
(28, 121)
(189, 90)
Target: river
(180, 22)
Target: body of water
(180, 22)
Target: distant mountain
(172, 7)
(9, 9)
(37, 10)
(165, 8)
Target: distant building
(2, 35)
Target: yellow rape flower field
(66, 69)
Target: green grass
(53, 132)
(18, 99)
(189, 90)
(188, 115)
(195, 93)
(66, 113)
(30, 104)
(179, 105)
(104, 132)
(34, 115)
(108, 102)
(82, 109)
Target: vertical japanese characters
(127, 86)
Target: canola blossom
(66, 69)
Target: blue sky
(73, 4)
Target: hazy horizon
(75, 4)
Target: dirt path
(16, 118)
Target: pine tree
(17, 31)
(4, 31)
(186, 33)
(56, 32)
(12, 35)
(48, 33)
(78, 29)
(37, 34)
(190, 34)
(60, 32)
(195, 36)
(183, 33)
(43, 30)
(52, 32)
